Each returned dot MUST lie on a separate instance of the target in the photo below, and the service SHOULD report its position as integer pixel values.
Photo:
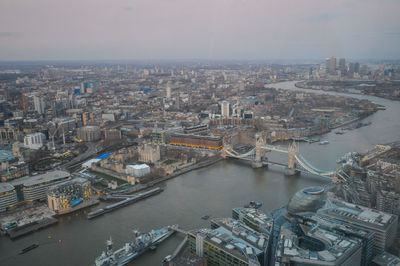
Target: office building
(39, 104)
(316, 246)
(64, 196)
(89, 133)
(231, 242)
(225, 112)
(35, 187)
(342, 65)
(168, 92)
(383, 225)
(199, 129)
(196, 141)
(8, 196)
(34, 141)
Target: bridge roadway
(305, 165)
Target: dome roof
(307, 200)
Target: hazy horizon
(190, 30)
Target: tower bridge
(257, 156)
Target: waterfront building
(316, 246)
(231, 242)
(66, 195)
(35, 187)
(376, 230)
(34, 141)
(89, 133)
(8, 196)
(383, 225)
(254, 218)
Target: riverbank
(152, 183)
(304, 85)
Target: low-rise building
(65, 196)
(138, 170)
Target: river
(214, 191)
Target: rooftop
(6, 187)
(6, 155)
(360, 214)
(39, 179)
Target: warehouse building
(205, 142)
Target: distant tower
(293, 151)
(225, 109)
(168, 92)
(178, 102)
(39, 104)
(332, 68)
(328, 65)
(342, 65)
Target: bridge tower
(260, 152)
(292, 152)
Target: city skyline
(206, 30)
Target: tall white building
(168, 92)
(34, 141)
(225, 109)
(39, 104)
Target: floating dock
(128, 200)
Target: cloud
(395, 34)
(127, 8)
(8, 34)
(322, 17)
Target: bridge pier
(291, 171)
(257, 164)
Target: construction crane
(24, 103)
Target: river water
(214, 191)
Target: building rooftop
(258, 218)
(386, 259)
(357, 213)
(230, 242)
(6, 187)
(139, 166)
(327, 247)
(39, 179)
(6, 156)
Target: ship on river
(131, 250)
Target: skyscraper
(225, 109)
(332, 67)
(39, 104)
(342, 65)
(168, 92)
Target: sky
(198, 29)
